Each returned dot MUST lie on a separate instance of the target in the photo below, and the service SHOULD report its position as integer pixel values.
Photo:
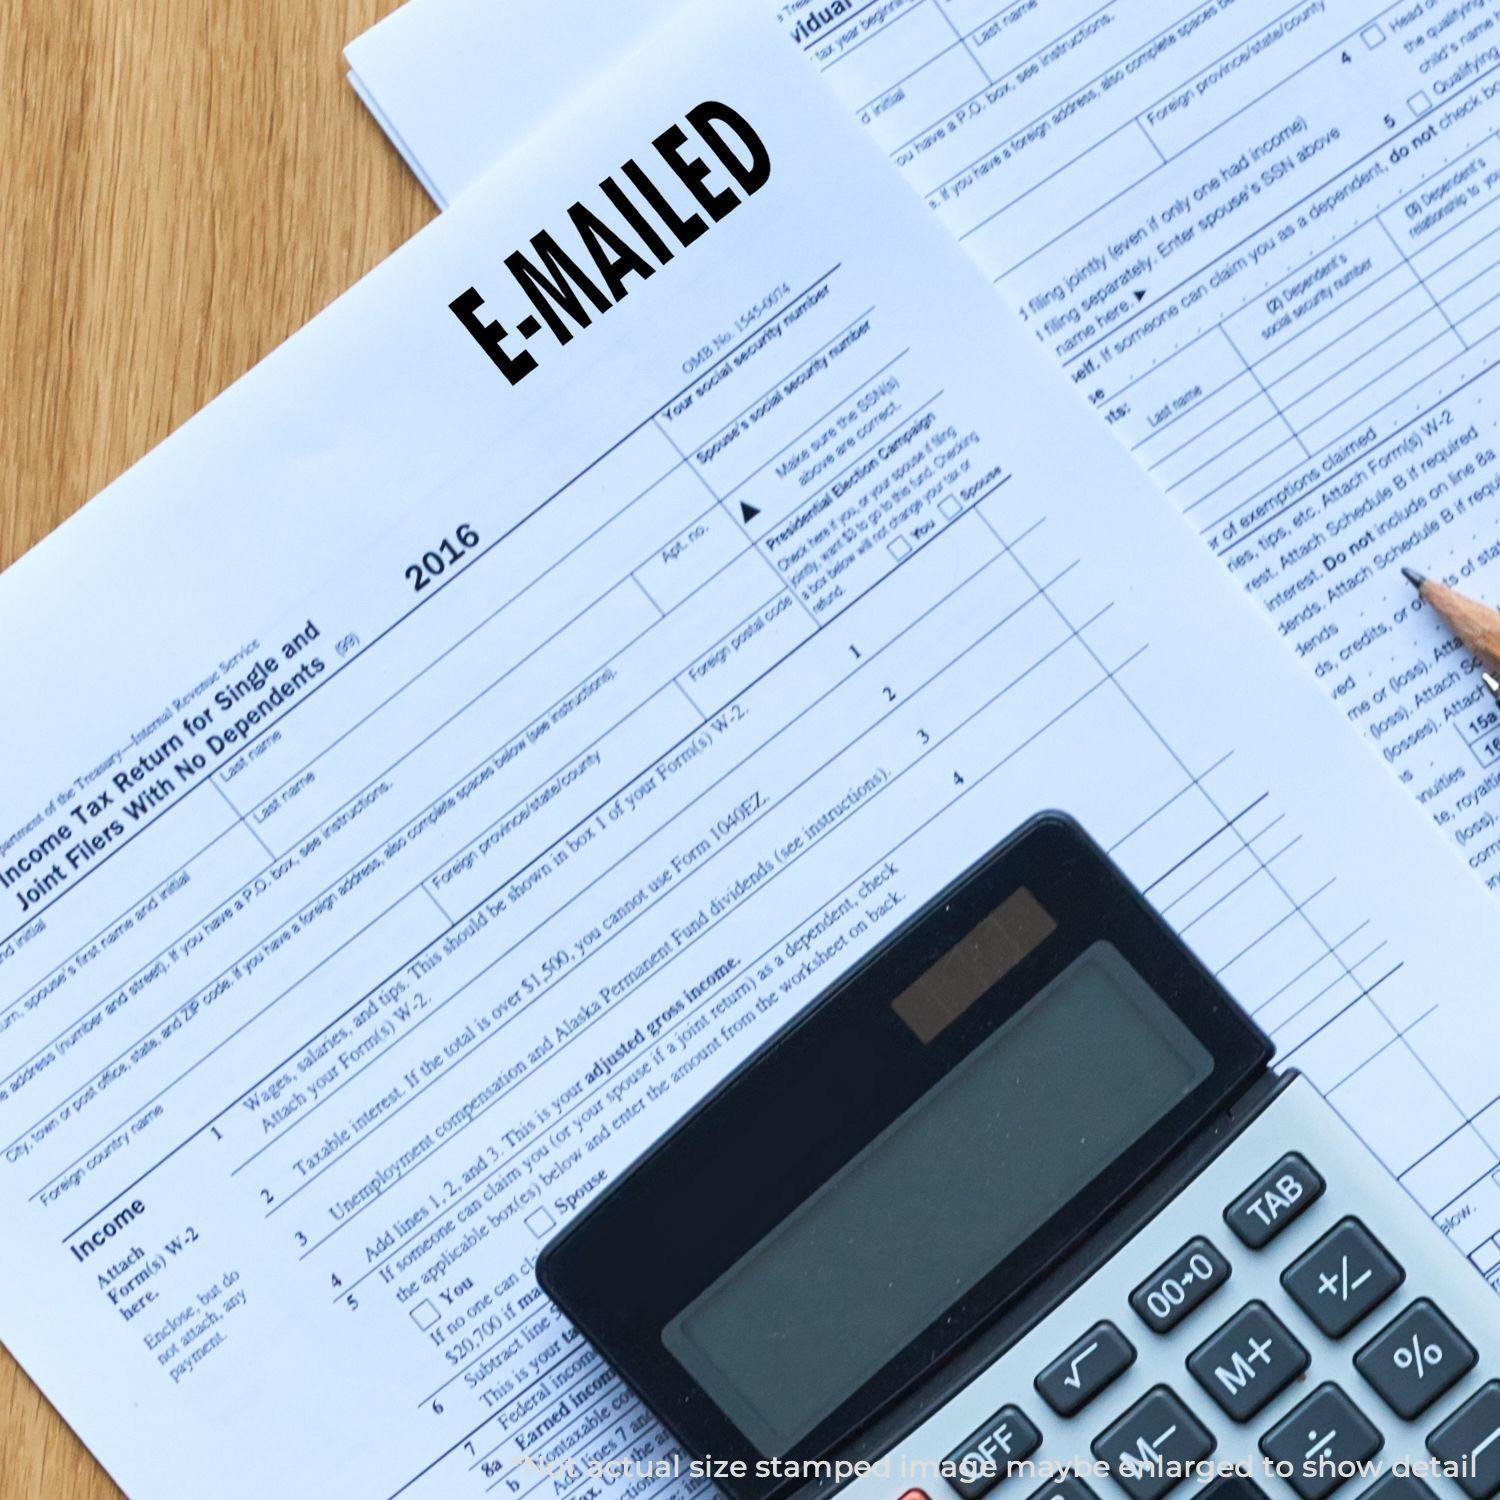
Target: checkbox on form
(424, 1315)
(540, 1222)
(900, 547)
(1372, 36)
(1419, 103)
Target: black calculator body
(1018, 1206)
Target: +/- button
(1343, 1278)
(1273, 1200)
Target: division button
(1273, 1200)
(1248, 1362)
(1174, 1289)
(1149, 1447)
(1321, 1442)
(979, 1463)
(1085, 1368)
(1415, 1358)
(1470, 1439)
(1344, 1277)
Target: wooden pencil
(1476, 625)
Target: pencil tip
(1414, 578)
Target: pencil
(1476, 625)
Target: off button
(984, 1458)
(1273, 1200)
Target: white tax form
(1260, 238)
(441, 760)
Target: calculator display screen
(951, 1186)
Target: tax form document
(437, 764)
(456, 83)
(1260, 238)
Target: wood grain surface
(183, 183)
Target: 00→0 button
(1179, 1285)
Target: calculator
(1018, 1207)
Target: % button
(1418, 1357)
(1415, 1358)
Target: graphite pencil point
(1414, 578)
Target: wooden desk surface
(183, 183)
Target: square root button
(1085, 1368)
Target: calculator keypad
(1316, 1436)
(1248, 1362)
(1343, 1278)
(1085, 1368)
(1141, 1446)
(1277, 1369)
(1415, 1358)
